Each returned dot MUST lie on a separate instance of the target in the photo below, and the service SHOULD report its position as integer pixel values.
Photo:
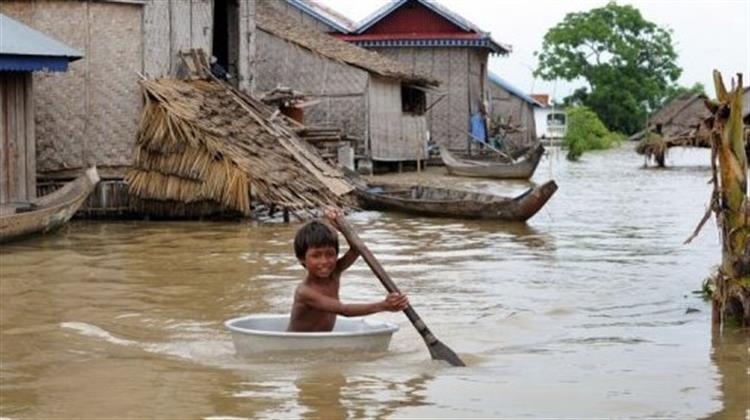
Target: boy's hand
(331, 213)
(395, 302)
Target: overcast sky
(707, 34)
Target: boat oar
(438, 350)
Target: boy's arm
(347, 260)
(352, 254)
(319, 301)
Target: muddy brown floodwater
(587, 310)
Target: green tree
(627, 62)
(585, 131)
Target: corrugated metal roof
(512, 89)
(21, 40)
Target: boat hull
(522, 169)
(49, 212)
(442, 202)
(259, 334)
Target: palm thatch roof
(200, 142)
(270, 20)
(687, 110)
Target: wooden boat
(264, 333)
(47, 213)
(523, 168)
(433, 201)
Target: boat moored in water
(47, 213)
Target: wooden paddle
(438, 350)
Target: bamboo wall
(89, 115)
(17, 148)
(462, 73)
(506, 105)
(341, 88)
(394, 136)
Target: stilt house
(432, 40)
(376, 100)
(23, 50)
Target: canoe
(523, 168)
(264, 333)
(443, 202)
(47, 213)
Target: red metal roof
(410, 35)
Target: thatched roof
(268, 19)
(687, 110)
(202, 142)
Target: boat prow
(47, 213)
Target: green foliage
(585, 131)
(627, 61)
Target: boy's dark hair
(312, 235)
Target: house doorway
(226, 43)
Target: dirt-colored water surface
(587, 310)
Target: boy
(316, 299)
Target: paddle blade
(440, 351)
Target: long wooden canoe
(433, 201)
(47, 213)
(523, 168)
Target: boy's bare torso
(308, 319)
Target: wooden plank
(12, 157)
(202, 24)
(181, 32)
(4, 140)
(31, 137)
(156, 38)
(21, 139)
(248, 45)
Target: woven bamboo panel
(268, 49)
(477, 63)
(349, 114)
(89, 114)
(60, 98)
(439, 119)
(459, 98)
(386, 140)
(156, 42)
(201, 24)
(342, 79)
(180, 29)
(114, 95)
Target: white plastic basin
(255, 334)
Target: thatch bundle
(202, 142)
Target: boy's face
(320, 261)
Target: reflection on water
(731, 354)
(585, 311)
